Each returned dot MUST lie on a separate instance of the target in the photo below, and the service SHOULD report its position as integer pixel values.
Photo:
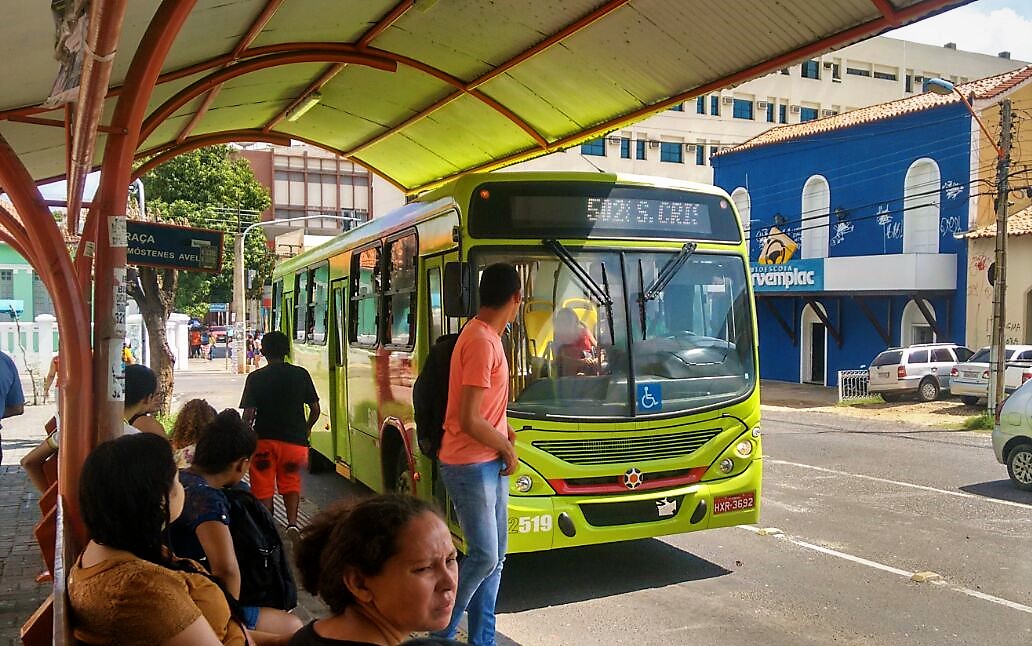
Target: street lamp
(997, 348)
(239, 303)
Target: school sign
(793, 277)
(173, 247)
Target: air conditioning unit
(795, 109)
(761, 105)
(828, 113)
(690, 147)
(613, 141)
(653, 144)
(727, 100)
(828, 65)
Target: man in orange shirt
(477, 451)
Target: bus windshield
(570, 355)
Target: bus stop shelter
(418, 91)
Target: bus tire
(318, 463)
(401, 483)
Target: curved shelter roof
(422, 90)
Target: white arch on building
(740, 196)
(814, 225)
(807, 345)
(913, 328)
(921, 193)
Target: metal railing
(852, 384)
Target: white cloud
(974, 30)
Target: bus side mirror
(458, 290)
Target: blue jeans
(480, 496)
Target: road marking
(1013, 605)
(958, 494)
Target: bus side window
(435, 311)
(401, 290)
(318, 307)
(301, 305)
(364, 296)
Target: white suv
(922, 369)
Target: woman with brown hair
(386, 567)
(193, 417)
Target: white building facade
(678, 142)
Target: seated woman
(193, 417)
(386, 567)
(141, 399)
(126, 588)
(202, 533)
(575, 345)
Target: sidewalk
(792, 395)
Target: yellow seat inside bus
(539, 322)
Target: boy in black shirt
(274, 402)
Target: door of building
(817, 346)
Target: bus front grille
(638, 448)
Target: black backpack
(430, 395)
(265, 577)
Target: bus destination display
(583, 209)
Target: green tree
(206, 188)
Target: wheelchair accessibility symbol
(650, 398)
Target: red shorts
(276, 466)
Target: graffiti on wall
(953, 188)
(842, 229)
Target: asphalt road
(861, 507)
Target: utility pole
(997, 352)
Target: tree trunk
(154, 294)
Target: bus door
(432, 311)
(338, 378)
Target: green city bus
(634, 387)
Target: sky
(984, 26)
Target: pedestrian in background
(274, 401)
(193, 417)
(477, 451)
(10, 390)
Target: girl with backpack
(235, 540)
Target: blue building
(854, 217)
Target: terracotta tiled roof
(1018, 224)
(980, 89)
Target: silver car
(922, 370)
(1012, 436)
(970, 380)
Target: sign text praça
(794, 276)
(173, 247)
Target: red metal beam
(55, 123)
(384, 23)
(266, 14)
(886, 9)
(195, 89)
(203, 141)
(851, 35)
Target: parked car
(922, 369)
(970, 380)
(218, 333)
(1012, 436)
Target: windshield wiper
(668, 271)
(663, 278)
(599, 293)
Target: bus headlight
(524, 483)
(726, 465)
(744, 448)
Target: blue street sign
(173, 247)
(650, 397)
(218, 307)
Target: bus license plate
(737, 502)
